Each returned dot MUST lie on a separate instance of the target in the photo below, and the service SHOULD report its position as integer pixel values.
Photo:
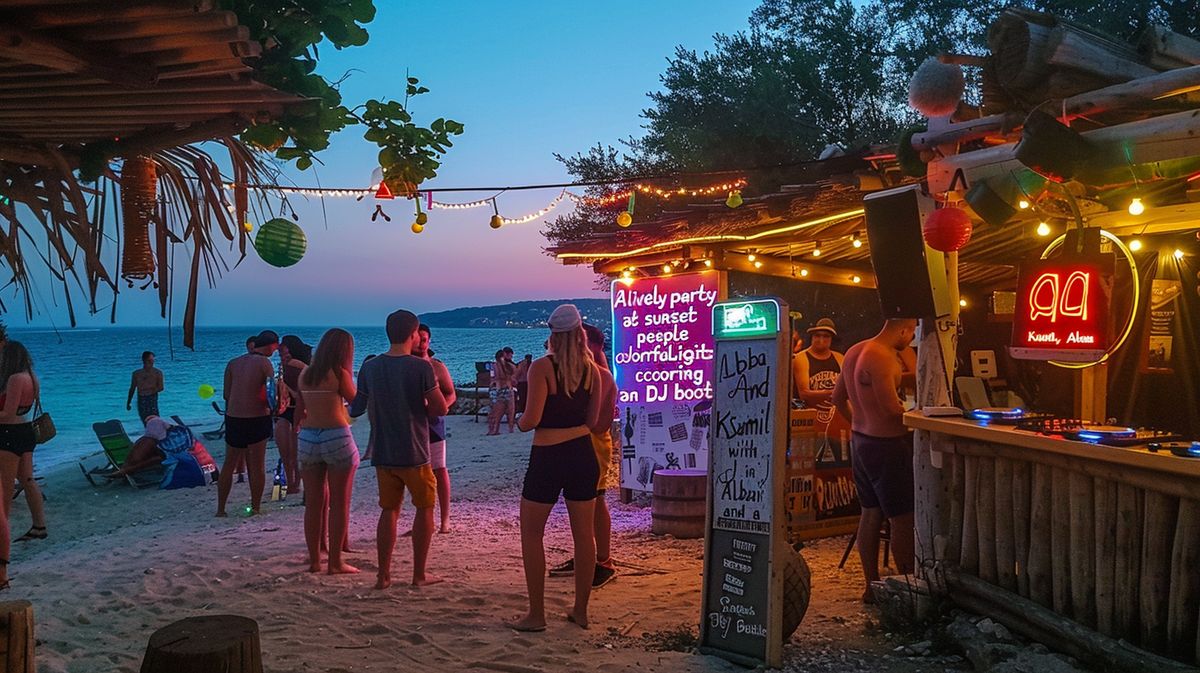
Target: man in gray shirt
(400, 394)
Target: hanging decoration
(947, 229)
(419, 221)
(626, 218)
(280, 242)
(496, 221)
(383, 192)
(735, 199)
(139, 198)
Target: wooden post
(1040, 514)
(985, 518)
(1021, 524)
(1091, 393)
(929, 489)
(1060, 540)
(969, 554)
(227, 643)
(16, 637)
(1127, 568)
(954, 548)
(1182, 619)
(1105, 494)
(1083, 566)
(1006, 554)
(1155, 586)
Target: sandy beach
(121, 563)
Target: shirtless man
(147, 382)
(437, 426)
(247, 419)
(883, 473)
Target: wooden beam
(82, 88)
(117, 99)
(137, 28)
(215, 67)
(62, 56)
(234, 36)
(150, 113)
(94, 13)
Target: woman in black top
(294, 356)
(19, 392)
(563, 407)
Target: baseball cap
(156, 428)
(265, 338)
(565, 318)
(823, 325)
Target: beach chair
(219, 432)
(115, 445)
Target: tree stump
(16, 637)
(226, 643)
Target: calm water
(85, 373)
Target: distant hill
(519, 314)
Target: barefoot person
(294, 356)
(327, 453)
(883, 472)
(521, 376)
(610, 472)
(19, 391)
(247, 419)
(564, 404)
(400, 394)
(437, 427)
(501, 393)
(147, 382)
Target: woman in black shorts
(561, 408)
(19, 390)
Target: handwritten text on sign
(663, 361)
(743, 435)
(1061, 306)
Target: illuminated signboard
(753, 319)
(663, 364)
(1062, 311)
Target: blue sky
(527, 79)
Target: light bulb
(1178, 253)
(803, 272)
(708, 263)
(856, 242)
(758, 265)
(666, 268)
(1023, 204)
(1135, 244)
(417, 227)
(1136, 207)
(626, 275)
(624, 220)
(496, 222)
(1043, 229)
(751, 257)
(962, 303)
(856, 279)
(817, 250)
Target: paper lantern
(947, 229)
(139, 199)
(735, 199)
(624, 220)
(280, 242)
(935, 88)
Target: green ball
(207, 391)
(280, 242)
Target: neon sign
(758, 318)
(1062, 311)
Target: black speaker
(894, 220)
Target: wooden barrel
(16, 637)
(226, 643)
(678, 505)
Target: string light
(626, 274)
(1135, 244)
(1043, 229)
(855, 240)
(962, 302)
(752, 257)
(538, 213)
(708, 263)
(803, 273)
(666, 268)
(758, 265)
(1023, 204)
(856, 279)
(817, 250)
(1178, 253)
(661, 193)
(1136, 207)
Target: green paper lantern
(280, 242)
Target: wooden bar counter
(1108, 537)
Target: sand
(121, 563)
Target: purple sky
(527, 79)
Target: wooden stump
(16, 637)
(1182, 615)
(1106, 551)
(1127, 567)
(1157, 543)
(1083, 533)
(1021, 524)
(1040, 583)
(226, 643)
(1006, 563)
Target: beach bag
(207, 465)
(43, 425)
(181, 471)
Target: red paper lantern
(947, 229)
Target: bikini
(17, 438)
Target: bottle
(282, 480)
(277, 487)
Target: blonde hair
(573, 359)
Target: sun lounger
(115, 445)
(219, 432)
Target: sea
(85, 373)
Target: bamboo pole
(1060, 540)
(1105, 538)
(1182, 618)
(969, 559)
(1021, 523)
(985, 519)
(1155, 586)
(1082, 554)
(1040, 530)
(1127, 567)
(1006, 564)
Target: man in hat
(248, 423)
(816, 368)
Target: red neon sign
(1062, 311)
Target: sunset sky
(527, 79)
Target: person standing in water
(400, 393)
(437, 426)
(19, 392)
(248, 423)
(564, 404)
(147, 382)
(327, 453)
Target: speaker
(894, 220)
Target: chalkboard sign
(742, 600)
